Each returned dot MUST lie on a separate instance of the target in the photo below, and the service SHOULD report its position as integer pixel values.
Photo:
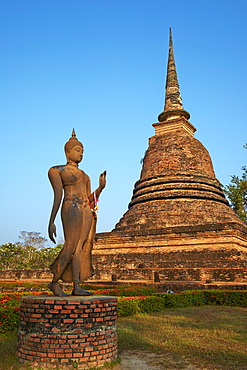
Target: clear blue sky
(99, 66)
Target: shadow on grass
(208, 337)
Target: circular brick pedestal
(67, 331)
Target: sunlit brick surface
(64, 331)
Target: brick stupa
(179, 225)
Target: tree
(18, 256)
(28, 254)
(236, 193)
(48, 255)
(32, 238)
(10, 256)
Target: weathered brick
(68, 307)
(58, 307)
(60, 346)
(68, 321)
(65, 311)
(64, 360)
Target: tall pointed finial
(173, 101)
(73, 133)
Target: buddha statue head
(73, 149)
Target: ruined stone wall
(28, 274)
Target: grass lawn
(209, 337)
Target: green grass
(210, 337)
(8, 358)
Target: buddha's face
(75, 154)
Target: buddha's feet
(56, 289)
(79, 291)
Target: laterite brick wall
(57, 332)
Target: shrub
(131, 305)
(183, 299)
(9, 319)
(139, 300)
(128, 306)
(9, 311)
(119, 291)
(126, 291)
(226, 297)
(160, 301)
(151, 304)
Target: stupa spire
(173, 102)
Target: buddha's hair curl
(73, 141)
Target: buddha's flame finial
(73, 133)
(173, 101)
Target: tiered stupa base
(203, 253)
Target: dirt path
(144, 360)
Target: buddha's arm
(102, 184)
(56, 182)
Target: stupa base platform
(203, 253)
(176, 286)
(69, 331)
